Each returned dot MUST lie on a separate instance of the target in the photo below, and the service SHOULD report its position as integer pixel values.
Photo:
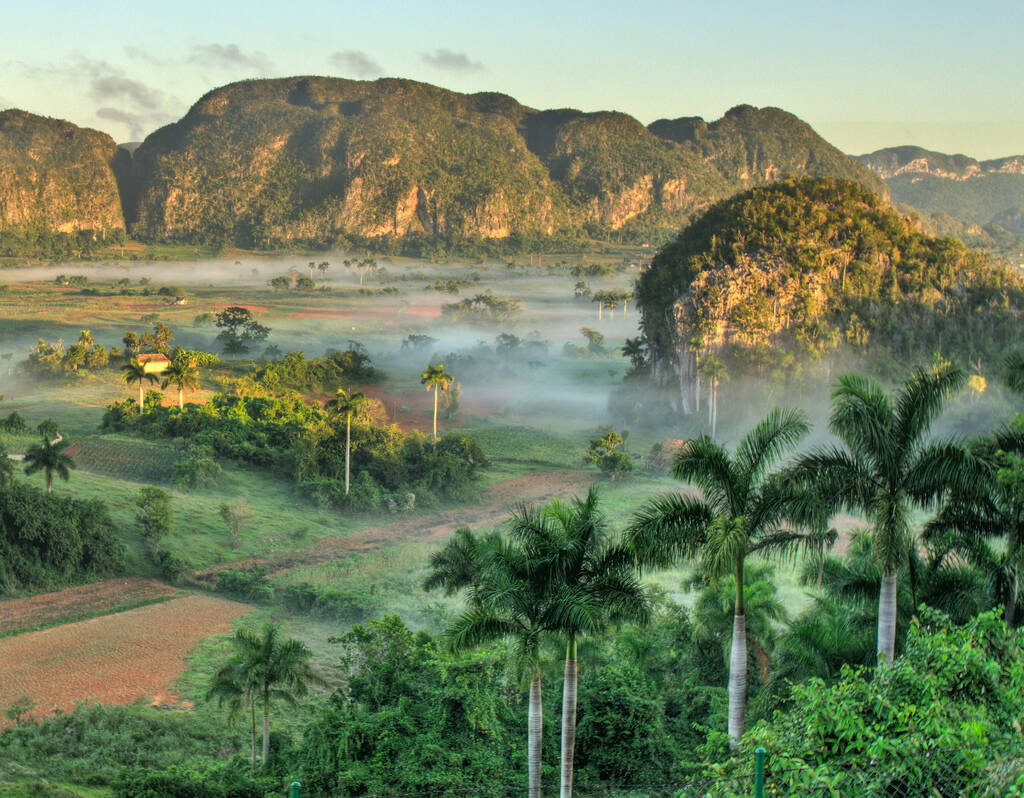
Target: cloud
(137, 124)
(139, 54)
(229, 56)
(451, 61)
(356, 62)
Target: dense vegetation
(775, 279)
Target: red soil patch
(500, 499)
(91, 599)
(115, 659)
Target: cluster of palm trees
(264, 668)
(556, 574)
(183, 373)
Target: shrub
(250, 584)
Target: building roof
(153, 357)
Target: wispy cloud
(356, 62)
(451, 61)
(229, 56)
(138, 124)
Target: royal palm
(345, 404)
(436, 379)
(886, 466)
(50, 458)
(133, 372)
(745, 509)
(182, 375)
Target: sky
(939, 74)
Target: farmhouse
(156, 363)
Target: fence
(947, 774)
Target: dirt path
(500, 499)
(77, 602)
(115, 659)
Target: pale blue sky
(945, 75)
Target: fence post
(295, 789)
(759, 772)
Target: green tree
(50, 458)
(182, 375)
(48, 429)
(886, 466)
(265, 668)
(744, 509)
(132, 372)
(154, 514)
(436, 379)
(345, 405)
(592, 582)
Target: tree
(134, 371)
(636, 350)
(887, 466)
(50, 458)
(716, 373)
(323, 266)
(744, 509)
(48, 429)
(154, 514)
(591, 581)
(264, 667)
(436, 379)
(6, 466)
(603, 452)
(239, 329)
(344, 404)
(236, 514)
(182, 375)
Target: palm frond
(780, 431)
(862, 417)
(668, 529)
(706, 464)
(919, 402)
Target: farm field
(116, 658)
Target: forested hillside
(783, 275)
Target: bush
(364, 494)
(171, 567)
(195, 468)
(154, 513)
(250, 584)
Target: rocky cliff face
(57, 176)
(275, 161)
(894, 161)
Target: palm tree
(715, 370)
(182, 375)
(344, 404)
(886, 466)
(266, 667)
(51, 458)
(134, 371)
(744, 510)
(85, 339)
(595, 582)
(230, 686)
(436, 379)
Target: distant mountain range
(985, 193)
(320, 160)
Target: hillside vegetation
(325, 161)
(782, 275)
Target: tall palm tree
(716, 373)
(887, 466)
(182, 375)
(436, 379)
(345, 404)
(594, 581)
(230, 685)
(744, 510)
(50, 458)
(272, 668)
(134, 371)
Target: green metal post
(759, 772)
(295, 789)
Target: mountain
(981, 192)
(57, 177)
(786, 274)
(315, 159)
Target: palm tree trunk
(435, 413)
(533, 736)
(600, 311)
(714, 416)
(181, 398)
(568, 719)
(887, 619)
(252, 708)
(49, 480)
(348, 447)
(266, 730)
(1010, 615)
(738, 665)
(140, 396)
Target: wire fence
(950, 774)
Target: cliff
(57, 177)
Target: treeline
(47, 541)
